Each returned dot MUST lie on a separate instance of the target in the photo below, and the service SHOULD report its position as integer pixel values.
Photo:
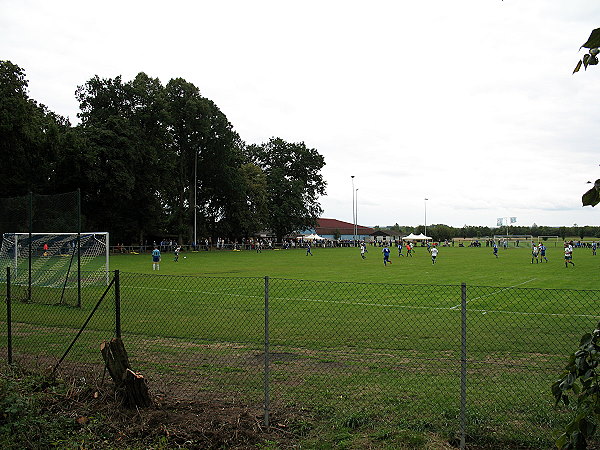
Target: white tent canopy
(313, 237)
(416, 237)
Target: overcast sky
(470, 104)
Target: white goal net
(55, 258)
(514, 239)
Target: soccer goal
(555, 239)
(56, 260)
(516, 239)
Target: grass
(454, 266)
(370, 355)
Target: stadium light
(353, 212)
(195, 195)
(356, 214)
(426, 216)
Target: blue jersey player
(386, 255)
(156, 259)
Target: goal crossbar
(56, 259)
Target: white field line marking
(494, 293)
(346, 302)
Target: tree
(590, 58)
(121, 162)
(251, 216)
(294, 184)
(30, 136)
(581, 380)
(208, 155)
(440, 232)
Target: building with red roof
(338, 229)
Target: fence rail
(456, 360)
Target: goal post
(555, 239)
(57, 260)
(516, 239)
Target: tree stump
(130, 386)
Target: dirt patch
(206, 423)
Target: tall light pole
(195, 195)
(426, 216)
(353, 212)
(356, 214)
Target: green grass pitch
(374, 348)
(454, 265)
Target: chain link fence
(454, 360)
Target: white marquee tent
(313, 237)
(416, 237)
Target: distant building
(338, 229)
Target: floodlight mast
(426, 216)
(353, 213)
(195, 197)
(356, 215)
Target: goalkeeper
(156, 259)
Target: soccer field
(352, 338)
(454, 265)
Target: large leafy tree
(119, 154)
(30, 136)
(294, 184)
(208, 155)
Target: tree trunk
(131, 387)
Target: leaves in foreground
(579, 387)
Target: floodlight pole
(426, 216)
(195, 194)
(353, 213)
(356, 213)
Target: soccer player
(568, 255)
(156, 259)
(594, 247)
(534, 253)
(177, 250)
(542, 250)
(362, 250)
(386, 255)
(495, 249)
(308, 252)
(434, 252)
(400, 249)
(408, 249)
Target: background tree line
(440, 232)
(145, 153)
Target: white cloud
(470, 103)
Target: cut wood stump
(130, 386)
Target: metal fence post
(117, 304)
(266, 372)
(8, 317)
(463, 365)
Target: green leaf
(594, 40)
(591, 197)
(561, 441)
(586, 339)
(573, 426)
(587, 428)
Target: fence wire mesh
(350, 353)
